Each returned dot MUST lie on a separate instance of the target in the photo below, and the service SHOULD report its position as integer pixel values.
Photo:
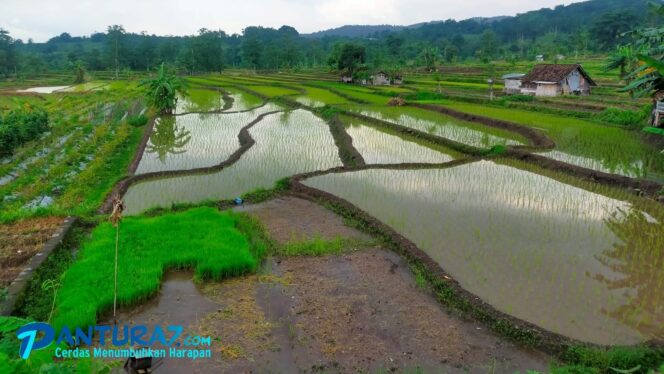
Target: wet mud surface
(289, 218)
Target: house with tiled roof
(556, 79)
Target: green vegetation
(581, 359)
(40, 361)
(573, 30)
(273, 91)
(71, 168)
(163, 90)
(21, 125)
(615, 149)
(319, 246)
(66, 158)
(203, 239)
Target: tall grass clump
(202, 239)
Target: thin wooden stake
(115, 290)
(115, 218)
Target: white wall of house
(381, 80)
(512, 86)
(575, 82)
(547, 89)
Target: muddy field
(20, 241)
(362, 311)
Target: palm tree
(162, 91)
(623, 58)
(430, 58)
(79, 71)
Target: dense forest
(577, 29)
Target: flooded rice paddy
(635, 169)
(195, 140)
(447, 127)
(286, 144)
(200, 100)
(242, 100)
(571, 261)
(378, 147)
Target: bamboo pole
(115, 218)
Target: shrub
(627, 118)
(21, 125)
(424, 95)
(520, 98)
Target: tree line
(577, 29)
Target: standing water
(566, 259)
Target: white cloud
(40, 20)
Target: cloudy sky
(42, 19)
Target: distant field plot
(286, 144)
(611, 148)
(465, 132)
(379, 146)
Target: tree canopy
(579, 28)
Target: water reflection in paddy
(470, 133)
(200, 100)
(195, 140)
(378, 147)
(286, 144)
(569, 260)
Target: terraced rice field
(537, 247)
(573, 257)
(380, 147)
(200, 100)
(444, 126)
(192, 141)
(583, 143)
(286, 144)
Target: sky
(43, 19)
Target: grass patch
(203, 239)
(582, 359)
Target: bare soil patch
(20, 241)
(358, 312)
(290, 219)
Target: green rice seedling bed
(202, 239)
